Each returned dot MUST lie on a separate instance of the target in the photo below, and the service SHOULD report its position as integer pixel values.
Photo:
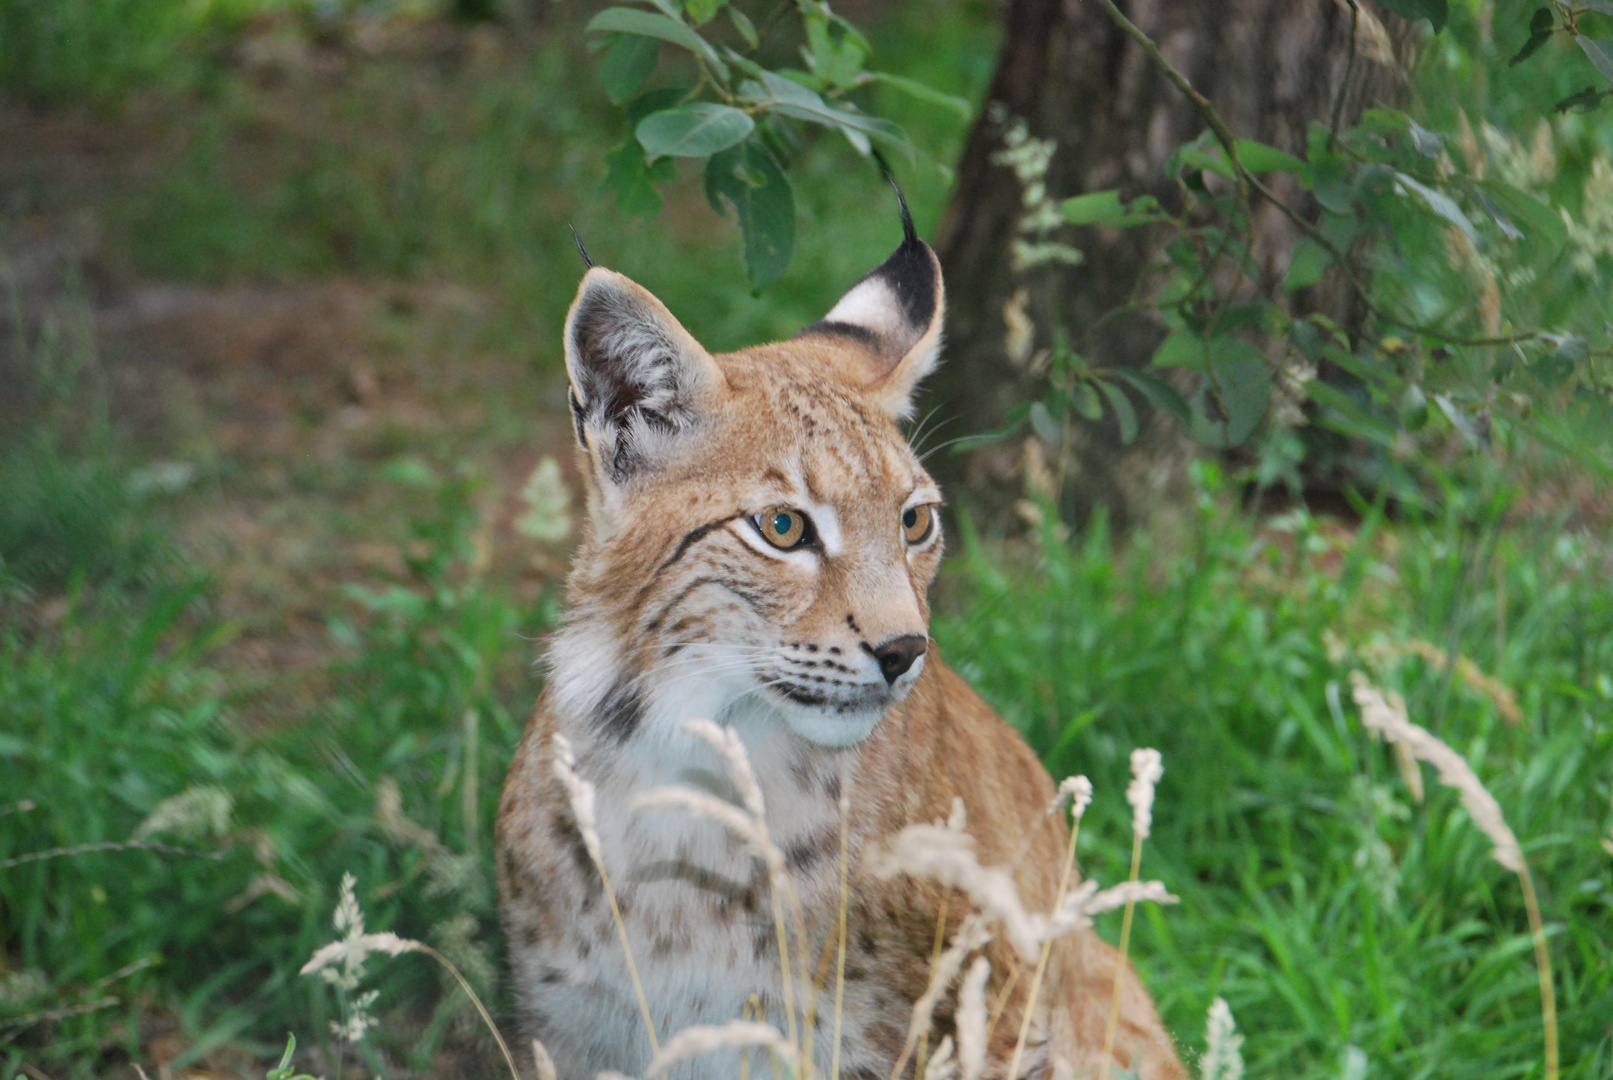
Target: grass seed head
(1077, 791)
(1146, 769)
(581, 795)
(1388, 718)
(947, 856)
(1222, 1059)
(971, 1019)
(705, 1038)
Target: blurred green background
(283, 285)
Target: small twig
(1344, 86)
(1248, 180)
(108, 845)
(1548, 993)
(23, 1022)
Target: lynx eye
(917, 523)
(783, 528)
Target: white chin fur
(832, 729)
(827, 727)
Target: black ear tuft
(586, 261)
(909, 234)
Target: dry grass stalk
(1488, 686)
(1078, 791)
(935, 956)
(947, 855)
(580, 793)
(542, 1063)
(845, 902)
(971, 1020)
(971, 935)
(1146, 769)
(355, 945)
(750, 824)
(1386, 716)
(706, 1038)
(942, 1066)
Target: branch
(1248, 180)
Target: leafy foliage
(1335, 911)
(751, 132)
(1482, 292)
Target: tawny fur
(675, 611)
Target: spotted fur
(678, 607)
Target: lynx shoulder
(759, 547)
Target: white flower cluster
(1030, 159)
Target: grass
(1318, 898)
(110, 711)
(1330, 909)
(1340, 918)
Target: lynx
(760, 540)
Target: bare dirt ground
(276, 412)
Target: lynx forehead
(759, 546)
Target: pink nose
(899, 654)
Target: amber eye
(917, 523)
(782, 527)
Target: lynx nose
(897, 655)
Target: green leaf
(1202, 153)
(695, 130)
(1601, 54)
(1125, 415)
(790, 98)
(1587, 100)
(1105, 208)
(1042, 422)
(1345, 416)
(1160, 394)
(1541, 26)
(1096, 208)
(918, 91)
(1558, 367)
(1437, 201)
(1435, 11)
(748, 179)
(1232, 400)
(1085, 400)
(746, 28)
(835, 50)
(1310, 261)
(1603, 6)
(1259, 158)
(632, 180)
(1544, 235)
(652, 24)
(1413, 408)
(627, 62)
(1181, 350)
(655, 101)
(703, 11)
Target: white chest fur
(695, 902)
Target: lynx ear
(637, 378)
(894, 315)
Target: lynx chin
(759, 544)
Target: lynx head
(761, 537)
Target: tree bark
(1271, 67)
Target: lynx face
(761, 535)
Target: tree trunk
(1271, 67)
